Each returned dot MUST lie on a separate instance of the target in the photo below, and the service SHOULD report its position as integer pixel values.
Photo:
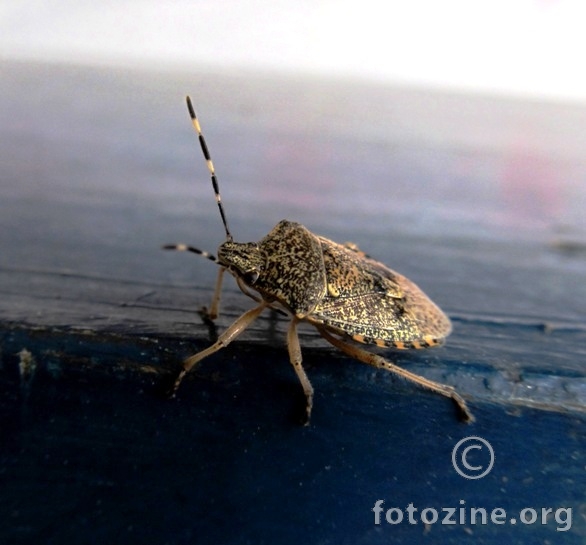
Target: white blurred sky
(522, 47)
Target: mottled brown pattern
(337, 286)
(294, 268)
(288, 266)
(375, 303)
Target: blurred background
(456, 95)
(528, 48)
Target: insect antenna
(210, 164)
(186, 248)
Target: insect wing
(374, 304)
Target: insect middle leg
(296, 360)
(223, 340)
(377, 361)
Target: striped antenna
(186, 248)
(206, 154)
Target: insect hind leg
(381, 363)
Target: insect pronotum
(350, 298)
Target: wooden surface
(480, 201)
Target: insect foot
(350, 298)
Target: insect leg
(296, 361)
(244, 289)
(354, 247)
(224, 340)
(381, 363)
(215, 304)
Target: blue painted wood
(478, 200)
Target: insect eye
(250, 277)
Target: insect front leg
(296, 360)
(223, 340)
(381, 363)
(214, 310)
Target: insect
(350, 298)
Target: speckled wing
(294, 271)
(373, 304)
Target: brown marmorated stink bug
(335, 287)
